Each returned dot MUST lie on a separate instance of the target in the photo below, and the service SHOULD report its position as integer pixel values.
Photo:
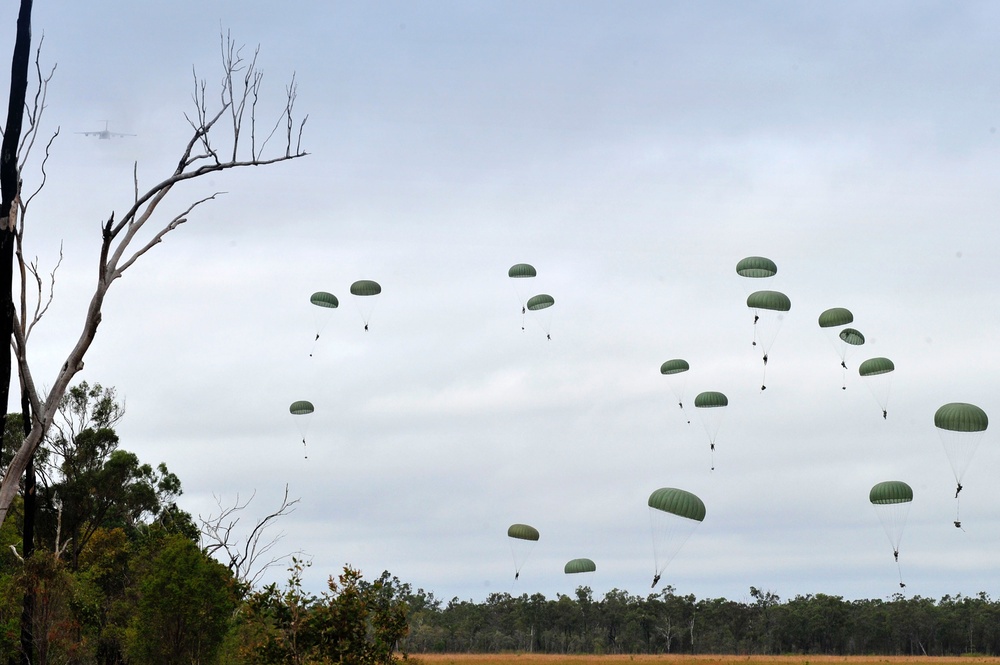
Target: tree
(355, 622)
(92, 483)
(359, 623)
(185, 602)
(225, 136)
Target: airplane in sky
(105, 133)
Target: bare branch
(41, 309)
(35, 111)
(44, 178)
(117, 236)
(158, 238)
(244, 557)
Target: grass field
(549, 659)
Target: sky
(632, 153)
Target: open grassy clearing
(676, 659)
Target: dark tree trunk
(9, 185)
(28, 539)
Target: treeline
(666, 622)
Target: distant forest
(665, 622)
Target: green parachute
(835, 317)
(324, 299)
(756, 267)
(575, 566)
(541, 303)
(851, 337)
(324, 302)
(676, 369)
(302, 410)
(891, 500)
(960, 427)
(522, 540)
(674, 514)
(769, 309)
(522, 532)
(711, 407)
(521, 271)
(517, 273)
(366, 290)
(877, 375)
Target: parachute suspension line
(763, 373)
(366, 313)
(517, 567)
(680, 404)
(657, 569)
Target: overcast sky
(633, 153)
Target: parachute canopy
(580, 566)
(521, 270)
(710, 399)
(301, 408)
(852, 337)
(674, 366)
(876, 366)
(890, 492)
(541, 301)
(961, 417)
(678, 502)
(756, 267)
(324, 299)
(771, 300)
(366, 287)
(835, 317)
(522, 532)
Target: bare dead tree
(229, 119)
(249, 557)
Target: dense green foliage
(118, 575)
(621, 623)
(354, 622)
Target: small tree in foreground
(355, 622)
(185, 603)
(224, 135)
